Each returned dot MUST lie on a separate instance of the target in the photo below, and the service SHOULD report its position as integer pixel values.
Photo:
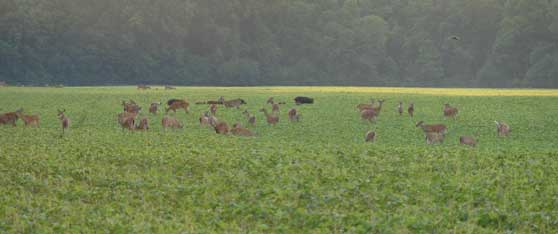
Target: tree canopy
(474, 43)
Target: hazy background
(502, 43)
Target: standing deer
(294, 115)
(131, 107)
(450, 111)
(29, 120)
(213, 109)
(154, 107)
(65, 121)
(502, 128)
(205, 119)
(251, 118)
(175, 104)
(10, 117)
(370, 136)
(400, 108)
(271, 118)
(379, 107)
(411, 109)
(127, 120)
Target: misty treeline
(468, 43)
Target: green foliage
(316, 176)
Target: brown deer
(378, 108)
(143, 87)
(175, 104)
(221, 128)
(127, 120)
(364, 106)
(251, 118)
(234, 103)
(275, 108)
(219, 101)
(238, 130)
(153, 108)
(171, 122)
(270, 100)
(271, 118)
(143, 124)
(213, 109)
(450, 111)
(370, 136)
(29, 120)
(503, 129)
(294, 115)
(131, 107)
(411, 109)
(467, 140)
(10, 117)
(368, 114)
(205, 119)
(400, 108)
(436, 128)
(65, 121)
(434, 137)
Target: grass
(316, 176)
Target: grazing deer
(411, 109)
(364, 106)
(467, 140)
(434, 137)
(127, 120)
(10, 117)
(271, 119)
(400, 108)
(65, 121)
(450, 111)
(171, 122)
(502, 128)
(175, 104)
(143, 124)
(436, 128)
(213, 109)
(29, 120)
(238, 130)
(270, 100)
(275, 108)
(205, 119)
(368, 114)
(251, 118)
(131, 107)
(370, 136)
(294, 115)
(221, 128)
(234, 103)
(153, 108)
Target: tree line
(444, 43)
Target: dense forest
(446, 43)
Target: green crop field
(315, 176)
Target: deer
(205, 119)
(364, 106)
(294, 115)
(143, 87)
(10, 117)
(370, 136)
(275, 108)
(368, 114)
(143, 124)
(175, 104)
(467, 140)
(436, 128)
(503, 129)
(29, 120)
(153, 108)
(171, 122)
(234, 103)
(400, 108)
(238, 130)
(213, 109)
(127, 120)
(221, 128)
(65, 121)
(270, 100)
(434, 137)
(168, 87)
(411, 109)
(450, 111)
(251, 118)
(131, 107)
(271, 118)
(378, 108)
